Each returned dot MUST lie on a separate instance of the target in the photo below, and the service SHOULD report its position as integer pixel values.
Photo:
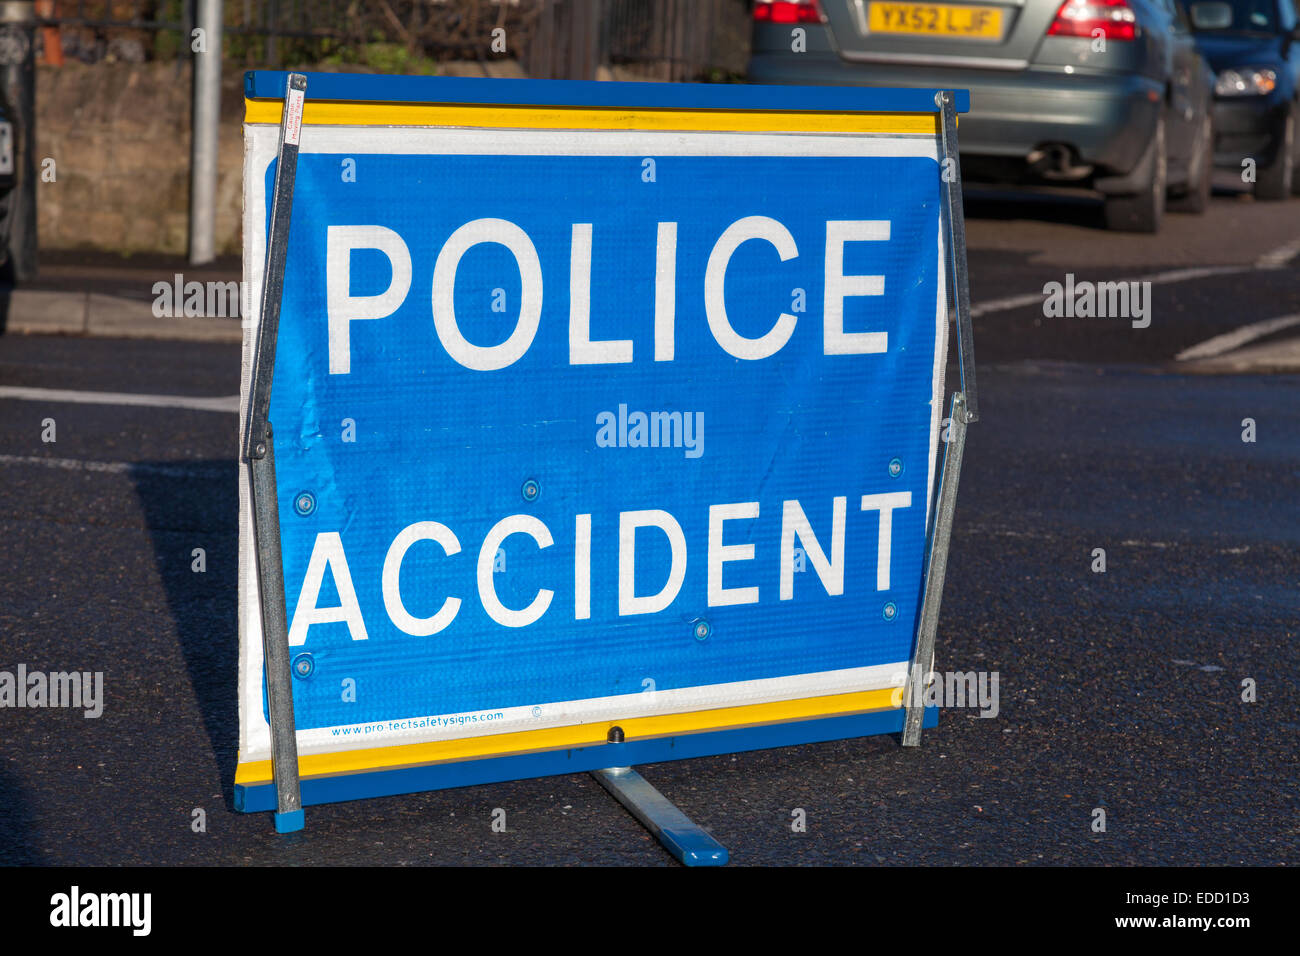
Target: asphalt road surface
(1120, 691)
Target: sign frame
(292, 781)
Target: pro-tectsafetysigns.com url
(419, 723)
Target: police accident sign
(596, 411)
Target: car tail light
(1083, 18)
(788, 11)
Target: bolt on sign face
(587, 417)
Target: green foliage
(716, 75)
(382, 58)
(169, 44)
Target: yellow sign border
(254, 773)
(492, 116)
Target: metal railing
(663, 39)
(677, 39)
(279, 32)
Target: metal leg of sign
(689, 844)
(275, 642)
(259, 453)
(936, 568)
(954, 218)
(681, 837)
(963, 410)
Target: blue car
(1254, 47)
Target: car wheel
(1197, 196)
(1144, 210)
(1278, 179)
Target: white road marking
(1157, 278)
(1274, 259)
(197, 470)
(1005, 305)
(1237, 338)
(1279, 256)
(984, 531)
(198, 403)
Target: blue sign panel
(580, 426)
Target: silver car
(1106, 95)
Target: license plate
(936, 19)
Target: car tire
(1196, 198)
(1143, 211)
(1278, 179)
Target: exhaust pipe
(1055, 161)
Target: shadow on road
(1007, 204)
(17, 836)
(188, 506)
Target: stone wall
(119, 135)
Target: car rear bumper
(1105, 118)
